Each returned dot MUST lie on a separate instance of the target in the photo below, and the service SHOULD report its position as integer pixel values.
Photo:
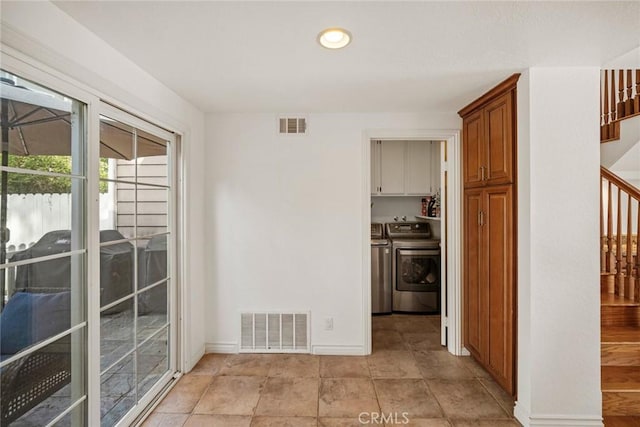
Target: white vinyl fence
(30, 216)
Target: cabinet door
(375, 167)
(435, 166)
(499, 141)
(498, 250)
(418, 168)
(472, 149)
(475, 295)
(392, 155)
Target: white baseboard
(190, 363)
(221, 347)
(566, 420)
(557, 420)
(521, 414)
(338, 350)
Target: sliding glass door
(136, 249)
(43, 256)
(67, 296)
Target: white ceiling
(405, 56)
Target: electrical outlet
(328, 324)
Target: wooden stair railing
(619, 252)
(619, 99)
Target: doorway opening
(411, 269)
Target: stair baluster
(629, 287)
(619, 251)
(636, 100)
(613, 111)
(628, 102)
(620, 111)
(610, 255)
(636, 292)
(619, 260)
(603, 237)
(604, 131)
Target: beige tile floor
(408, 373)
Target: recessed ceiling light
(334, 38)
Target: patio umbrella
(37, 123)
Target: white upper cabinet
(375, 167)
(392, 157)
(405, 168)
(418, 170)
(435, 166)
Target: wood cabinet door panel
(473, 152)
(498, 251)
(475, 315)
(499, 141)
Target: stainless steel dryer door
(417, 270)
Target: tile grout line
(424, 381)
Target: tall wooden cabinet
(489, 235)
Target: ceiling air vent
(293, 125)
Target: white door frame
(451, 325)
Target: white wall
(41, 31)
(558, 263)
(285, 221)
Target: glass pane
(45, 299)
(152, 261)
(116, 333)
(76, 417)
(152, 159)
(117, 392)
(123, 202)
(116, 268)
(153, 362)
(40, 133)
(116, 140)
(52, 222)
(151, 210)
(152, 310)
(40, 386)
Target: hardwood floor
(621, 421)
(620, 359)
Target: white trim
(11, 169)
(35, 347)
(188, 365)
(452, 245)
(150, 397)
(35, 97)
(221, 347)
(558, 420)
(521, 414)
(67, 411)
(566, 420)
(339, 350)
(149, 409)
(30, 261)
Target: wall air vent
(292, 125)
(274, 333)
